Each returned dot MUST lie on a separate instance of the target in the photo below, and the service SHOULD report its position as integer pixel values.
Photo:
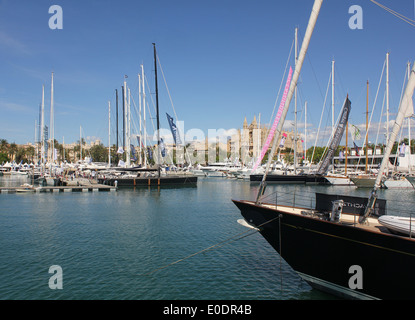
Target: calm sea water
(116, 245)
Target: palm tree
(76, 150)
(12, 150)
(3, 145)
(30, 153)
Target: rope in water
(234, 238)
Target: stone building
(250, 140)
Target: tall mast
(126, 123)
(332, 97)
(80, 143)
(305, 132)
(139, 120)
(259, 136)
(332, 105)
(123, 118)
(38, 134)
(116, 121)
(128, 134)
(36, 144)
(409, 127)
(295, 105)
(367, 123)
(346, 151)
(310, 27)
(144, 114)
(109, 134)
(42, 127)
(387, 98)
(52, 124)
(157, 109)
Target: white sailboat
(51, 180)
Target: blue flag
(134, 158)
(174, 130)
(162, 148)
(357, 148)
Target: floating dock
(84, 188)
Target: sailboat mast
(332, 106)
(139, 120)
(387, 98)
(409, 128)
(305, 131)
(109, 134)
(259, 136)
(42, 127)
(346, 151)
(128, 162)
(157, 109)
(80, 143)
(295, 105)
(367, 123)
(123, 118)
(36, 144)
(38, 134)
(309, 31)
(405, 102)
(116, 122)
(332, 97)
(52, 122)
(144, 115)
(126, 124)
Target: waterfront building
(253, 136)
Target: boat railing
(296, 199)
(301, 198)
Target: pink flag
(277, 119)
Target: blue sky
(223, 61)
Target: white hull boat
(339, 180)
(401, 225)
(25, 188)
(400, 182)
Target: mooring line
(217, 245)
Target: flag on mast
(174, 131)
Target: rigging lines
(396, 14)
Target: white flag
(355, 132)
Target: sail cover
(337, 136)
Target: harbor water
(145, 244)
